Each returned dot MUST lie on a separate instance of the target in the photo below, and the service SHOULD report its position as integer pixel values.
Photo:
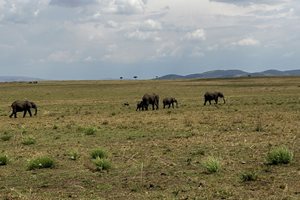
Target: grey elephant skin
(152, 99)
(22, 106)
(169, 101)
(139, 106)
(210, 96)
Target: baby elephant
(209, 96)
(19, 106)
(139, 106)
(170, 101)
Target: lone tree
(121, 77)
(135, 77)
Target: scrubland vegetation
(85, 144)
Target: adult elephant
(209, 96)
(152, 99)
(20, 106)
(169, 101)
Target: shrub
(6, 136)
(3, 160)
(102, 164)
(90, 131)
(279, 155)
(98, 153)
(40, 162)
(73, 155)
(248, 176)
(212, 165)
(29, 141)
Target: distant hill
(17, 79)
(232, 74)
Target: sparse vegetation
(248, 176)
(28, 140)
(152, 154)
(279, 155)
(102, 164)
(98, 153)
(3, 160)
(6, 136)
(40, 162)
(211, 164)
(90, 130)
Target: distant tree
(121, 77)
(135, 77)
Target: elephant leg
(172, 105)
(11, 114)
(216, 100)
(153, 106)
(209, 102)
(164, 106)
(24, 114)
(29, 111)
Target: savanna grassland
(152, 154)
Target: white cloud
(198, 34)
(62, 56)
(247, 42)
(143, 36)
(124, 6)
(151, 25)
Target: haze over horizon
(107, 39)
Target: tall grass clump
(279, 155)
(212, 165)
(40, 162)
(248, 176)
(99, 158)
(6, 136)
(90, 131)
(102, 164)
(28, 141)
(3, 160)
(98, 153)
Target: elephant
(209, 96)
(152, 99)
(139, 106)
(170, 101)
(19, 106)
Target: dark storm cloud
(72, 3)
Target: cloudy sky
(104, 39)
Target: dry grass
(153, 154)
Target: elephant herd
(147, 99)
(153, 99)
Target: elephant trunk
(224, 100)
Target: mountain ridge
(231, 74)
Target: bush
(40, 162)
(3, 160)
(90, 131)
(212, 165)
(28, 141)
(98, 153)
(279, 155)
(102, 164)
(73, 155)
(248, 176)
(6, 136)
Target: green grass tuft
(90, 131)
(28, 141)
(40, 162)
(248, 176)
(3, 160)
(279, 155)
(98, 153)
(6, 136)
(212, 165)
(102, 164)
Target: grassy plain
(153, 154)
